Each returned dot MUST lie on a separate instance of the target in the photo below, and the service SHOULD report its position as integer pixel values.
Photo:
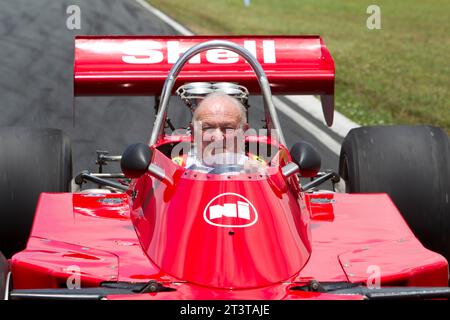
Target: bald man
(219, 123)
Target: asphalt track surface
(36, 69)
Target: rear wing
(139, 65)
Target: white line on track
(317, 132)
(310, 104)
(178, 27)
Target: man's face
(219, 125)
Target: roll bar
(269, 108)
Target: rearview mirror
(307, 158)
(135, 160)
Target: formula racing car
(162, 230)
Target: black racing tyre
(4, 270)
(412, 165)
(32, 160)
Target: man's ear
(245, 127)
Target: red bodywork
(162, 235)
(281, 238)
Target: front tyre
(32, 160)
(412, 165)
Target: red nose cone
(221, 231)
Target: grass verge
(398, 74)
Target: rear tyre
(4, 270)
(412, 165)
(32, 160)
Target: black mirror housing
(135, 160)
(307, 158)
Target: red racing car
(162, 230)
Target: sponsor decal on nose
(230, 210)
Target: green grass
(399, 74)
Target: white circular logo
(230, 210)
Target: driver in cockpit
(218, 127)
